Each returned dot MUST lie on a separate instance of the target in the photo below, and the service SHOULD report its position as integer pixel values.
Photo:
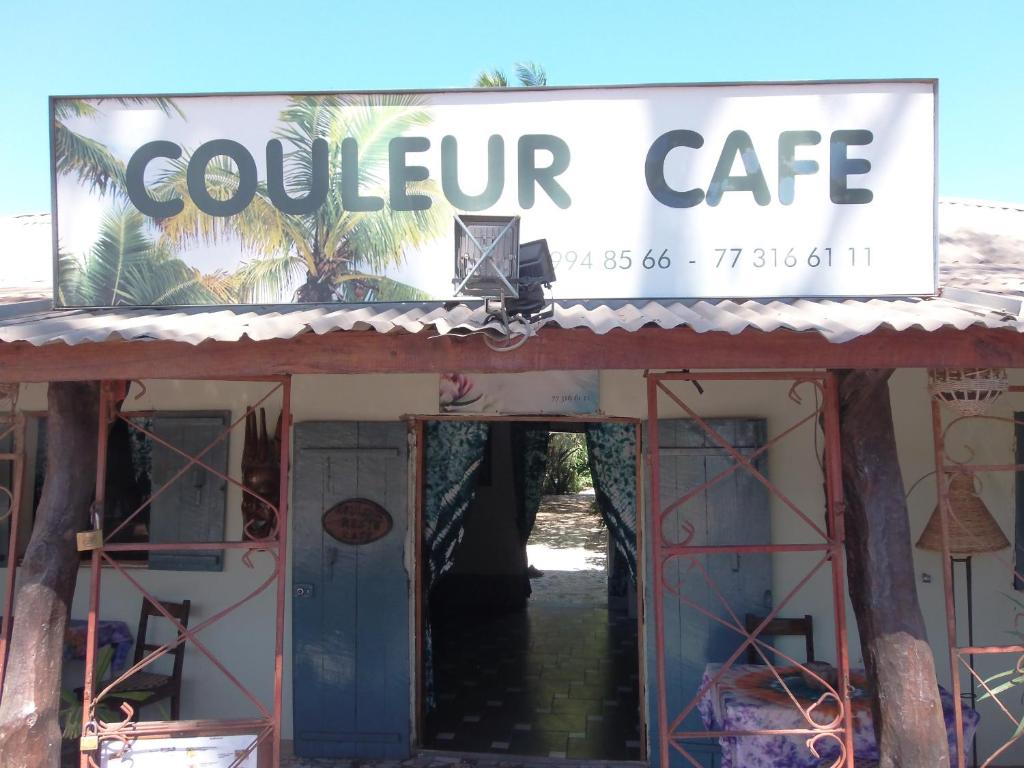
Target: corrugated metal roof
(981, 284)
(981, 247)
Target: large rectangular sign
(731, 191)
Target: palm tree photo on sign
(331, 254)
(125, 266)
(128, 267)
(90, 161)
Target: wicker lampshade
(8, 396)
(972, 529)
(970, 391)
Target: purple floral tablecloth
(113, 633)
(749, 698)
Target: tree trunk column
(909, 724)
(29, 712)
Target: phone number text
(723, 258)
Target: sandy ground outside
(569, 544)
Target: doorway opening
(528, 589)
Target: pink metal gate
(998, 690)
(266, 725)
(12, 431)
(828, 543)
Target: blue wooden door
(734, 511)
(350, 604)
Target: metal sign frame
(267, 724)
(54, 101)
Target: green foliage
(568, 470)
(529, 75)
(1011, 678)
(493, 78)
(71, 707)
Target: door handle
(198, 481)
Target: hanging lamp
(970, 391)
(972, 529)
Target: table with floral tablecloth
(112, 633)
(749, 697)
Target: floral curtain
(611, 450)
(529, 462)
(453, 455)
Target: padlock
(90, 740)
(89, 540)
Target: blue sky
(61, 47)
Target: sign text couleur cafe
(641, 192)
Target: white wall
(246, 642)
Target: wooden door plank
(356, 622)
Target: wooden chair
(159, 686)
(776, 627)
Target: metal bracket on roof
(1008, 304)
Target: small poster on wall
(534, 392)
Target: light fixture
(9, 395)
(972, 529)
(970, 391)
(535, 272)
(491, 264)
(487, 256)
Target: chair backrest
(180, 612)
(776, 627)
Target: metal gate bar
(962, 657)
(13, 426)
(839, 729)
(267, 726)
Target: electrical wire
(507, 344)
(510, 346)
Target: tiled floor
(558, 680)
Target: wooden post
(907, 712)
(29, 729)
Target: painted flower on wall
(456, 391)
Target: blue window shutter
(194, 506)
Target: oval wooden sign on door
(357, 521)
